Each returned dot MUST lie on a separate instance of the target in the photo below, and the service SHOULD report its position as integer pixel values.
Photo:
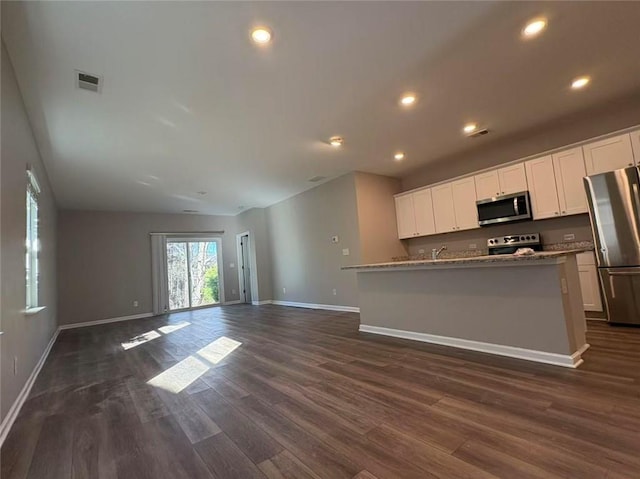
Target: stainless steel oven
(503, 209)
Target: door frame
(252, 267)
(198, 239)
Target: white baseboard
(328, 307)
(105, 321)
(229, 303)
(564, 360)
(11, 416)
(260, 303)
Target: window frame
(32, 243)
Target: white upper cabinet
(414, 214)
(487, 185)
(464, 203)
(405, 216)
(512, 179)
(423, 208)
(443, 211)
(570, 170)
(635, 143)
(608, 155)
(503, 181)
(542, 188)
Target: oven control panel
(524, 240)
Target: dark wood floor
(307, 396)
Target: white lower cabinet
(589, 283)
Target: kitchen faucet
(436, 252)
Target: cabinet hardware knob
(564, 212)
(630, 164)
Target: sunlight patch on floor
(170, 328)
(181, 375)
(219, 349)
(153, 334)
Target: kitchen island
(527, 307)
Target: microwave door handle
(515, 206)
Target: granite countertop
(475, 260)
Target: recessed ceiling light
(336, 141)
(399, 156)
(408, 99)
(261, 35)
(534, 27)
(470, 127)
(580, 82)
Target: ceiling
(189, 105)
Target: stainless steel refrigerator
(614, 207)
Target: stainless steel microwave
(503, 209)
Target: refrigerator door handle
(624, 273)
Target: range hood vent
(88, 81)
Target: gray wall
(304, 260)
(25, 337)
(255, 222)
(105, 260)
(377, 218)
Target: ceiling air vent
(315, 179)
(87, 81)
(478, 133)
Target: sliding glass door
(193, 273)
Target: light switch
(345, 252)
(569, 237)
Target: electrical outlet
(335, 239)
(334, 291)
(473, 246)
(233, 291)
(135, 303)
(421, 251)
(284, 290)
(15, 365)
(232, 265)
(345, 252)
(569, 237)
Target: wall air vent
(478, 133)
(87, 81)
(315, 179)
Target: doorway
(194, 269)
(245, 269)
